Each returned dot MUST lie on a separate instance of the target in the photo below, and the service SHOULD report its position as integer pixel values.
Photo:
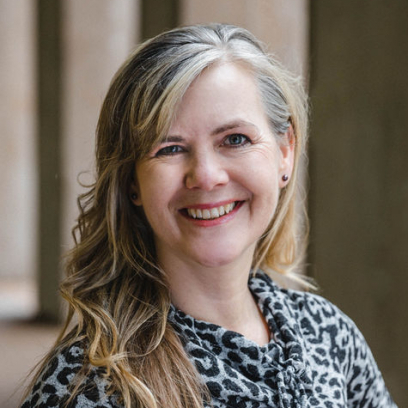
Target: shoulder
(332, 342)
(57, 381)
(327, 328)
(312, 308)
(327, 334)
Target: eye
(236, 140)
(169, 150)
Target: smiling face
(211, 188)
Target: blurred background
(57, 59)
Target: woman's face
(210, 190)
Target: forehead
(222, 93)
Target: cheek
(263, 173)
(149, 181)
(264, 183)
(157, 192)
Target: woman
(195, 207)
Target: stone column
(18, 176)
(98, 36)
(358, 171)
(81, 45)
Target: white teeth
(212, 213)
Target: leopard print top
(317, 358)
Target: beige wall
(18, 177)
(281, 24)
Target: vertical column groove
(158, 16)
(49, 83)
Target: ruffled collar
(239, 372)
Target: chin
(219, 260)
(214, 263)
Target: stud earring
(285, 177)
(133, 196)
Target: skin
(219, 150)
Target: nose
(206, 170)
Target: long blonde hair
(114, 288)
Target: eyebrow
(172, 139)
(232, 125)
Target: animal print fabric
(317, 358)
(54, 385)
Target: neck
(217, 295)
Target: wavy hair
(114, 287)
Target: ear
(287, 149)
(134, 193)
